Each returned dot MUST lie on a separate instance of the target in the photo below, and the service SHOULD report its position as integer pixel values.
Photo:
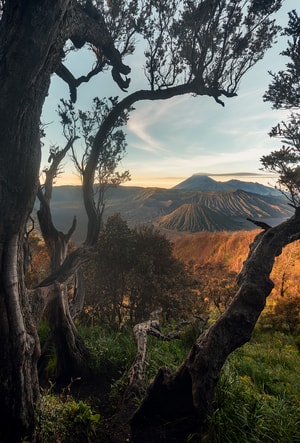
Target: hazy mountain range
(196, 204)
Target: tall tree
(161, 416)
(32, 39)
(72, 356)
(85, 125)
(192, 47)
(199, 47)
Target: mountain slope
(256, 188)
(223, 210)
(243, 204)
(195, 218)
(200, 183)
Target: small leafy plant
(59, 416)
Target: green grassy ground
(257, 399)
(258, 396)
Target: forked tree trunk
(32, 38)
(71, 353)
(177, 404)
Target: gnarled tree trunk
(72, 355)
(32, 37)
(26, 62)
(178, 403)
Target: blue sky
(171, 140)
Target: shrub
(58, 417)
(287, 314)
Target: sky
(170, 140)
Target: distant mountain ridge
(177, 209)
(200, 182)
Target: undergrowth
(257, 398)
(112, 352)
(59, 417)
(258, 395)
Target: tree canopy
(134, 273)
(284, 92)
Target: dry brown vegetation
(228, 250)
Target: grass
(258, 396)
(164, 353)
(112, 352)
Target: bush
(287, 314)
(58, 417)
(281, 314)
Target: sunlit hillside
(226, 248)
(230, 249)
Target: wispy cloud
(185, 164)
(145, 141)
(149, 122)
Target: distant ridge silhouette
(201, 182)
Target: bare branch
(262, 225)
(68, 268)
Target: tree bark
(19, 349)
(26, 61)
(78, 298)
(72, 355)
(137, 385)
(177, 404)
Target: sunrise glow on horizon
(149, 181)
